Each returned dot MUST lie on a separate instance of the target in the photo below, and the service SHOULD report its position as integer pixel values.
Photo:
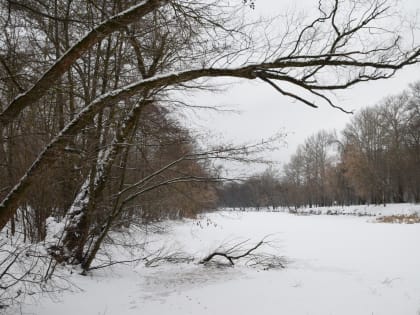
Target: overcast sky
(265, 112)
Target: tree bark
(64, 63)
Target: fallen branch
(230, 258)
(250, 255)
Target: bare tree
(412, 142)
(175, 44)
(366, 155)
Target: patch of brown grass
(401, 218)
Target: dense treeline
(375, 160)
(125, 149)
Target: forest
(91, 131)
(375, 159)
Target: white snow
(337, 265)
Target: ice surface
(338, 265)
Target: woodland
(90, 135)
(375, 159)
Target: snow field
(337, 265)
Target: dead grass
(402, 218)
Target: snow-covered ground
(336, 265)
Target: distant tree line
(376, 159)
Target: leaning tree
(134, 54)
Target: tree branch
(64, 63)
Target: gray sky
(265, 111)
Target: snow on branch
(63, 64)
